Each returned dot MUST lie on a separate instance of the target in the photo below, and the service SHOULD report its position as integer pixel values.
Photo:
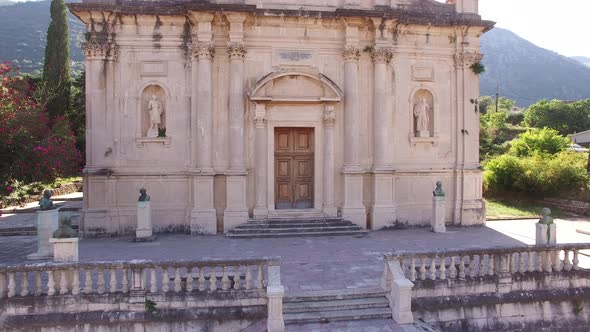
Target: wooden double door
(294, 168)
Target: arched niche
(295, 86)
(422, 113)
(153, 98)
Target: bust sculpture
(144, 197)
(46, 203)
(155, 110)
(422, 115)
(65, 231)
(438, 192)
(546, 219)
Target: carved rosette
(329, 117)
(351, 54)
(382, 55)
(467, 59)
(204, 51)
(236, 50)
(96, 50)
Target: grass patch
(496, 209)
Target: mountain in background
(522, 71)
(23, 35)
(583, 59)
(526, 73)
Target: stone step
(300, 221)
(335, 305)
(260, 234)
(340, 294)
(240, 230)
(340, 315)
(296, 225)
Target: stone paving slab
(378, 325)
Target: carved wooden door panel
(294, 169)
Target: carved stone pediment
(291, 86)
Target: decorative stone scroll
(329, 116)
(236, 50)
(204, 51)
(351, 54)
(95, 50)
(382, 55)
(260, 117)
(467, 59)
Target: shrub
(539, 141)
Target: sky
(562, 26)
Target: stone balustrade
(451, 264)
(52, 279)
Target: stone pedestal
(203, 216)
(438, 215)
(144, 232)
(47, 223)
(65, 250)
(423, 133)
(152, 133)
(236, 212)
(541, 234)
(354, 209)
(383, 209)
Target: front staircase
(295, 227)
(326, 307)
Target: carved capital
(204, 51)
(467, 59)
(99, 50)
(236, 50)
(329, 116)
(351, 54)
(382, 55)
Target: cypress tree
(56, 71)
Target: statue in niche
(155, 110)
(422, 115)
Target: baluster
(491, 264)
(11, 284)
(521, 263)
(212, 280)
(125, 281)
(531, 261)
(3, 285)
(224, 280)
(557, 264)
(567, 264)
(433, 268)
(472, 271)
(539, 261)
(100, 281)
(88, 281)
(177, 283)
(453, 269)
(248, 277)
(189, 279)
(38, 285)
(576, 261)
(237, 278)
(75, 282)
(481, 266)
(548, 263)
(443, 268)
(113, 281)
(63, 282)
(202, 286)
(422, 269)
(144, 277)
(512, 264)
(462, 267)
(50, 283)
(24, 287)
(165, 280)
(413, 269)
(153, 281)
(260, 280)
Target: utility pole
(497, 96)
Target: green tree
(558, 115)
(56, 71)
(77, 114)
(539, 142)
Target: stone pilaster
(203, 215)
(383, 209)
(261, 150)
(329, 124)
(353, 208)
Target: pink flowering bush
(32, 146)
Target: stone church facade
(227, 110)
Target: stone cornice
(204, 51)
